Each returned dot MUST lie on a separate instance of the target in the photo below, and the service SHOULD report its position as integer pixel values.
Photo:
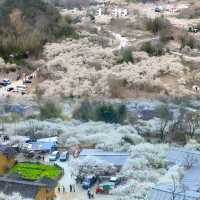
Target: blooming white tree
(14, 196)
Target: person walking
(70, 188)
(92, 195)
(74, 188)
(89, 194)
(63, 189)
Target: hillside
(26, 25)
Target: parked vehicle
(115, 180)
(10, 89)
(158, 9)
(5, 82)
(21, 88)
(88, 181)
(105, 187)
(30, 77)
(54, 156)
(27, 81)
(64, 156)
(23, 92)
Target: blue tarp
(41, 146)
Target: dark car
(5, 82)
(88, 181)
(10, 89)
(30, 77)
(27, 81)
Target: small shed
(182, 156)
(118, 159)
(7, 158)
(169, 192)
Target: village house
(43, 189)
(7, 158)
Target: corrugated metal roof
(166, 192)
(181, 155)
(117, 159)
(191, 179)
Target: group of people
(90, 194)
(61, 188)
(72, 188)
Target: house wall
(6, 163)
(45, 194)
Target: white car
(21, 88)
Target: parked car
(64, 156)
(27, 81)
(88, 181)
(158, 9)
(5, 82)
(115, 180)
(54, 156)
(105, 187)
(21, 88)
(10, 89)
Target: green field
(34, 171)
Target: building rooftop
(167, 192)
(7, 150)
(27, 189)
(115, 158)
(182, 156)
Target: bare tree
(192, 123)
(189, 161)
(165, 117)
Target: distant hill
(25, 25)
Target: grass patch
(34, 171)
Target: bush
(157, 24)
(153, 49)
(101, 112)
(126, 56)
(188, 40)
(50, 110)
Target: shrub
(153, 49)
(101, 112)
(157, 24)
(188, 40)
(50, 110)
(126, 56)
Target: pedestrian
(88, 193)
(74, 187)
(63, 188)
(92, 195)
(70, 188)
(58, 188)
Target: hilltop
(25, 26)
